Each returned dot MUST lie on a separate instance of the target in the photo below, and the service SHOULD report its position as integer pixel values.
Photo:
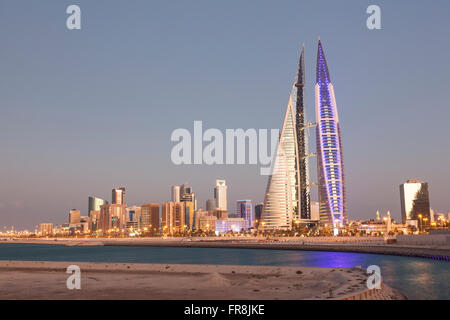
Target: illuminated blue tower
(330, 163)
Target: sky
(84, 111)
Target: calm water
(417, 278)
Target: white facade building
(175, 195)
(220, 195)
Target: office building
(46, 229)
(281, 197)
(218, 213)
(172, 217)
(187, 195)
(207, 223)
(74, 216)
(197, 215)
(118, 196)
(150, 216)
(175, 194)
(258, 214)
(258, 211)
(94, 220)
(302, 182)
(244, 210)
(284, 187)
(134, 218)
(84, 224)
(189, 215)
(220, 194)
(415, 202)
(315, 211)
(231, 224)
(210, 204)
(112, 218)
(95, 203)
(330, 162)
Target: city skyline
(414, 198)
(54, 112)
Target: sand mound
(215, 279)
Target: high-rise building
(210, 204)
(189, 215)
(244, 210)
(304, 206)
(187, 195)
(258, 211)
(113, 218)
(118, 196)
(134, 218)
(74, 216)
(281, 197)
(330, 163)
(415, 202)
(95, 203)
(175, 194)
(150, 217)
(258, 214)
(94, 220)
(220, 194)
(172, 217)
(287, 194)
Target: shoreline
(375, 247)
(44, 280)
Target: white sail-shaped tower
(281, 198)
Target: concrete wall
(423, 239)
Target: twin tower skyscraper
(287, 198)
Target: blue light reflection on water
(417, 278)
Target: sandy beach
(47, 280)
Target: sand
(47, 280)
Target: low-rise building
(46, 229)
(207, 223)
(230, 224)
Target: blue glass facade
(333, 209)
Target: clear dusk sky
(83, 111)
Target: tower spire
(322, 74)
